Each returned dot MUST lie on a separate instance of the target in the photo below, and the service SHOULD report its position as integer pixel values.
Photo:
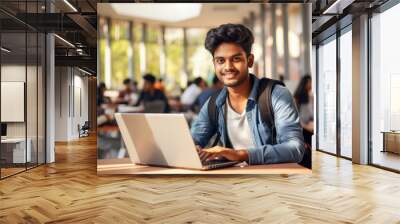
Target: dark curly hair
(301, 94)
(150, 78)
(229, 33)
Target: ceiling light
(70, 5)
(337, 7)
(65, 41)
(172, 12)
(5, 50)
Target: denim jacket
(289, 136)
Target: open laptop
(162, 140)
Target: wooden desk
(125, 166)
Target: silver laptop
(162, 140)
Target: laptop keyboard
(214, 161)
(217, 163)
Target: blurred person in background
(160, 85)
(190, 95)
(151, 94)
(281, 78)
(104, 106)
(128, 95)
(305, 103)
(101, 98)
(206, 93)
(135, 86)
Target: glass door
(14, 153)
(385, 89)
(326, 99)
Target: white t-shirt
(190, 95)
(239, 131)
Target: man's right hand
(206, 156)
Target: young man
(242, 132)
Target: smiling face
(231, 64)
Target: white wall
(71, 102)
(33, 126)
(11, 73)
(61, 103)
(80, 105)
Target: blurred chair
(84, 129)
(156, 106)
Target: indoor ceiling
(211, 14)
(74, 21)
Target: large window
(385, 88)
(200, 60)
(119, 52)
(346, 93)
(327, 96)
(153, 50)
(328, 109)
(174, 51)
(137, 38)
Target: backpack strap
(213, 113)
(213, 117)
(264, 100)
(212, 108)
